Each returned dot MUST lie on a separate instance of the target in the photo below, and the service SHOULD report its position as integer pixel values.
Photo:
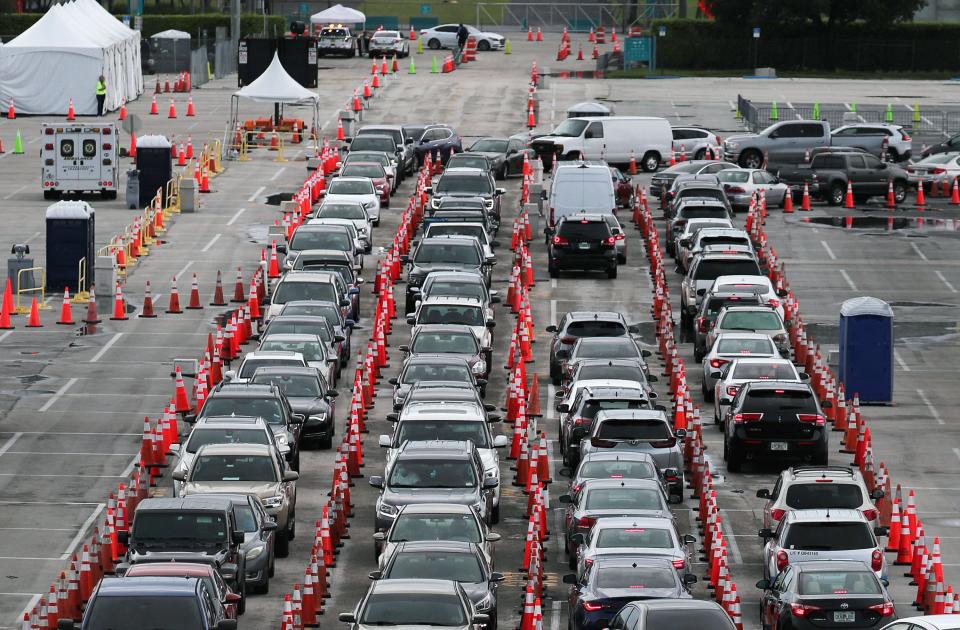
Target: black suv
(309, 395)
(266, 401)
(579, 324)
(448, 253)
(775, 418)
(582, 241)
(577, 418)
(197, 528)
(467, 182)
(707, 315)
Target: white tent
(171, 33)
(276, 86)
(338, 14)
(60, 57)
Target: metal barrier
(280, 157)
(82, 295)
(571, 15)
(20, 308)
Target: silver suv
(820, 487)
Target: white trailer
(79, 157)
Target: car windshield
(450, 314)
(311, 350)
(433, 253)
(746, 346)
(634, 430)
(270, 409)
(838, 583)
(713, 269)
(457, 289)
(179, 525)
(617, 469)
(490, 145)
(703, 212)
(639, 578)
(468, 161)
(595, 328)
(459, 567)
(427, 372)
(824, 496)
(293, 385)
(246, 521)
(201, 436)
(733, 176)
(386, 35)
(826, 536)
(136, 612)
(584, 230)
(350, 186)
(251, 365)
(615, 372)
(617, 349)
(368, 156)
(765, 371)
(679, 619)
(432, 473)
(320, 308)
(457, 527)
(362, 170)
(317, 291)
(233, 468)
(457, 430)
(751, 320)
(413, 609)
(570, 128)
(623, 498)
(352, 211)
(445, 343)
(473, 184)
(651, 538)
(458, 229)
(338, 240)
(373, 143)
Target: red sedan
(205, 572)
(375, 173)
(623, 187)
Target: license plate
(844, 616)
(779, 446)
(584, 246)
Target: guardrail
(82, 295)
(18, 306)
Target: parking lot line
(236, 216)
(846, 276)
(13, 439)
(210, 243)
(75, 542)
(919, 253)
(5, 335)
(939, 273)
(106, 346)
(279, 172)
(933, 410)
(735, 555)
(555, 614)
(60, 392)
(256, 193)
(183, 270)
(903, 365)
(829, 251)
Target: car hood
(741, 138)
(308, 405)
(262, 490)
(476, 591)
(405, 496)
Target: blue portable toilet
(866, 349)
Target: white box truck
(79, 157)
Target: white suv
(731, 376)
(820, 487)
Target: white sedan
(389, 43)
(359, 189)
(934, 169)
(445, 36)
(730, 346)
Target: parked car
(435, 521)
(418, 603)
(445, 36)
(741, 184)
(204, 572)
(934, 170)
(387, 43)
(506, 154)
(336, 40)
(438, 141)
(821, 488)
(648, 139)
(654, 614)
(876, 138)
(663, 180)
(829, 173)
(783, 142)
(692, 142)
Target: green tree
(819, 13)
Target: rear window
(596, 328)
(622, 499)
(703, 212)
(617, 469)
(636, 578)
(715, 619)
(713, 269)
(824, 495)
(585, 230)
(838, 583)
(751, 320)
(635, 537)
(144, 611)
(618, 372)
(746, 346)
(723, 240)
(828, 161)
(607, 350)
(825, 536)
(592, 407)
(716, 304)
(779, 401)
(633, 430)
(733, 175)
(764, 371)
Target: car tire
(264, 588)
(492, 625)
(612, 273)
(273, 566)
(554, 272)
(109, 194)
(281, 544)
(650, 161)
(495, 515)
(483, 45)
(699, 154)
(707, 393)
(734, 458)
(837, 193)
(899, 191)
(242, 604)
(822, 456)
(621, 259)
(433, 43)
(697, 355)
(326, 443)
(292, 525)
(751, 158)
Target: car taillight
(48, 147)
(773, 303)
(782, 560)
(904, 135)
(719, 140)
(936, 170)
(620, 237)
(876, 560)
(803, 610)
(679, 564)
(551, 216)
(732, 390)
(884, 610)
(586, 521)
(588, 563)
(48, 131)
(717, 363)
(107, 146)
(561, 240)
(871, 514)
(741, 418)
(734, 189)
(581, 421)
(777, 514)
(575, 488)
(610, 242)
(812, 418)
(703, 324)
(591, 606)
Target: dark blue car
(152, 602)
(439, 141)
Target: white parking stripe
(5, 335)
(104, 349)
(274, 177)
(829, 251)
(256, 193)
(903, 365)
(236, 216)
(933, 410)
(555, 615)
(846, 276)
(60, 392)
(210, 243)
(6, 447)
(734, 548)
(917, 250)
(82, 531)
(940, 275)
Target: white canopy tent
(338, 14)
(275, 86)
(171, 33)
(60, 57)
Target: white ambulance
(78, 157)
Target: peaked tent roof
(171, 33)
(276, 86)
(338, 14)
(54, 31)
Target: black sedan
(613, 581)
(506, 154)
(440, 142)
(832, 593)
(308, 396)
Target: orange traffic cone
(190, 110)
(6, 308)
(181, 156)
(194, 295)
(181, 401)
(530, 34)
(66, 315)
(805, 201)
(921, 201)
(172, 112)
(788, 202)
(273, 268)
(539, 34)
(579, 53)
(633, 163)
(189, 153)
(92, 317)
(132, 151)
(147, 311)
(174, 304)
(119, 310)
(531, 119)
(955, 194)
(154, 110)
(34, 320)
(383, 65)
(11, 111)
(218, 292)
(123, 109)
(70, 112)
(891, 200)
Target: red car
(374, 172)
(230, 600)
(623, 187)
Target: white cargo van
(611, 138)
(77, 157)
(581, 187)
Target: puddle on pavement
(917, 332)
(32, 378)
(578, 74)
(888, 223)
(275, 198)
(259, 234)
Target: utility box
(155, 165)
(133, 189)
(188, 195)
(866, 350)
(20, 279)
(71, 238)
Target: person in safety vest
(101, 94)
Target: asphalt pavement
(72, 400)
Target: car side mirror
(237, 537)
(339, 338)
(565, 498)
(344, 302)
(763, 585)
(298, 418)
(689, 539)
(332, 393)
(701, 292)
(804, 377)
(716, 373)
(393, 417)
(563, 354)
(491, 324)
(826, 404)
(885, 582)
(689, 578)
(492, 537)
(384, 441)
(652, 378)
(394, 381)
(680, 433)
(684, 242)
(411, 319)
(881, 531)
(569, 578)
(270, 526)
(403, 348)
(281, 249)
(646, 354)
(405, 259)
(782, 293)
(497, 577)
(494, 244)
(230, 375)
(290, 475)
(66, 624)
(123, 538)
(481, 382)
(375, 575)
(175, 448)
(489, 407)
(495, 299)
(347, 617)
(376, 481)
(227, 624)
(428, 190)
(500, 441)
(763, 493)
(490, 483)
(501, 191)
(765, 533)
(179, 475)
(877, 494)
(577, 539)
(379, 536)
(551, 329)
(563, 408)
(633, 329)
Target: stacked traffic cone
(805, 200)
(92, 316)
(34, 319)
(218, 292)
(123, 110)
(147, 311)
(119, 309)
(181, 402)
(172, 112)
(66, 314)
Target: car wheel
(651, 161)
(734, 458)
(837, 192)
(282, 544)
(554, 272)
(492, 625)
(699, 154)
(612, 273)
(273, 566)
(433, 44)
(622, 259)
(483, 45)
(750, 159)
(821, 457)
(264, 588)
(899, 191)
(495, 514)
(707, 393)
(326, 443)
(292, 525)
(242, 604)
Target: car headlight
(282, 440)
(435, 203)
(273, 502)
(480, 367)
(386, 509)
(255, 553)
(369, 204)
(732, 145)
(493, 471)
(485, 604)
(488, 204)
(318, 417)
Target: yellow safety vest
(101, 88)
